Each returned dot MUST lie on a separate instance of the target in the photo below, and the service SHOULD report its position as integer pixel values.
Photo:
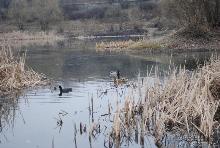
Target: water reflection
(82, 118)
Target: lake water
(34, 120)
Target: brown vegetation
(193, 14)
(18, 35)
(118, 46)
(15, 75)
(44, 12)
(185, 100)
(20, 39)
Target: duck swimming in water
(115, 74)
(64, 90)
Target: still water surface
(33, 120)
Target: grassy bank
(16, 37)
(186, 103)
(15, 75)
(174, 41)
(118, 46)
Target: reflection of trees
(77, 59)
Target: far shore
(170, 42)
(166, 43)
(24, 37)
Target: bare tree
(19, 12)
(194, 14)
(46, 12)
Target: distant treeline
(48, 11)
(107, 9)
(194, 14)
(25, 11)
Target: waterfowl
(64, 90)
(115, 74)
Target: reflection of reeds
(14, 75)
(184, 100)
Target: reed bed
(127, 45)
(24, 35)
(15, 75)
(114, 46)
(182, 102)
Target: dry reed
(126, 45)
(15, 75)
(18, 35)
(184, 100)
(20, 39)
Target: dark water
(31, 122)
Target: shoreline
(18, 38)
(161, 44)
(172, 42)
(29, 36)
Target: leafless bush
(198, 15)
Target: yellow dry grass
(185, 99)
(15, 75)
(126, 45)
(24, 35)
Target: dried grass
(184, 100)
(114, 46)
(14, 75)
(126, 45)
(19, 39)
(18, 35)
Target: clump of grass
(147, 44)
(185, 100)
(114, 46)
(20, 39)
(133, 45)
(15, 75)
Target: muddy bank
(185, 43)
